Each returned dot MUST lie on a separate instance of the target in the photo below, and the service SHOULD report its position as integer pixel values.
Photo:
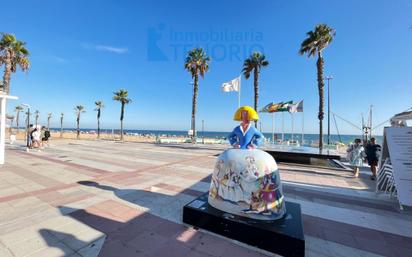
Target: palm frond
(255, 61)
(197, 62)
(122, 96)
(317, 40)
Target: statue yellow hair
(251, 113)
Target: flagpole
(273, 127)
(283, 127)
(302, 125)
(293, 123)
(238, 99)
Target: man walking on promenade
(372, 154)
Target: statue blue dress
(246, 180)
(251, 136)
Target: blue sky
(82, 51)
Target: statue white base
(247, 183)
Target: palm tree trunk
(256, 86)
(48, 123)
(17, 120)
(321, 86)
(61, 127)
(194, 105)
(98, 123)
(121, 121)
(78, 126)
(7, 72)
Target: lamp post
(328, 78)
(28, 123)
(203, 131)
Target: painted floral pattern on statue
(247, 183)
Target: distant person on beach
(356, 153)
(12, 138)
(373, 151)
(45, 135)
(29, 136)
(43, 128)
(36, 137)
(246, 136)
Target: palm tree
(121, 96)
(11, 118)
(99, 105)
(49, 116)
(254, 64)
(37, 114)
(313, 45)
(61, 124)
(78, 109)
(12, 54)
(18, 109)
(197, 63)
(27, 118)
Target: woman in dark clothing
(372, 154)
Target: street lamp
(328, 78)
(28, 123)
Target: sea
(308, 138)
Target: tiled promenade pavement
(96, 198)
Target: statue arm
(233, 139)
(258, 138)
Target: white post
(2, 129)
(303, 133)
(293, 123)
(283, 127)
(273, 127)
(3, 98)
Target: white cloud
(60, 59)
(106, 48)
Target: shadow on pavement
(133, 231)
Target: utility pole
(370, 125)
(328, 78)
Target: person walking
(373, 151)
(30, 136)
(356, 153)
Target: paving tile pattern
(102, 198)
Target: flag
(297, 107)
(285, 106)
(233, 85)
(277, 107)
(271, 107)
